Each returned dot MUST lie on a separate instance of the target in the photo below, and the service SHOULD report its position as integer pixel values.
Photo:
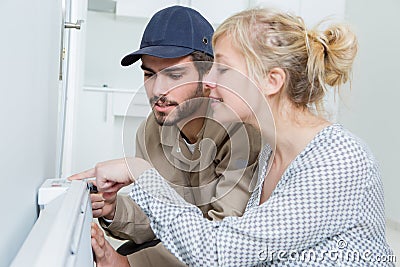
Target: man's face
(173, 88)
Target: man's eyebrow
(166, 70)
(143, 67)
(174, 68)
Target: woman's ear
(275, 81)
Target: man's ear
(275, 80)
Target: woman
(319, 197)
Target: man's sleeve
(129, 223)
(140, 142)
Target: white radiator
(61, 234)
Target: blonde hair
(311, 59)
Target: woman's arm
(309, 206)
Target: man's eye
(148, 74)
(175, 76)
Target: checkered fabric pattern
(326, 209)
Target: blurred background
(65, 95)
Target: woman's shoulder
(338, 144)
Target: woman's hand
(112, 175)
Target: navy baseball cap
(174, 32)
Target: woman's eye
(222, 70)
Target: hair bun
(340, 53)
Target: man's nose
(158, 86)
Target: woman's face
(234, 96)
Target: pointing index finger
(83, 175)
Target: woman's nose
(210, 79)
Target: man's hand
(104, 205)
(105, 255)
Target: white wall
(371, 109)
(29, 53)
(109, 38)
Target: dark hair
(202, 62)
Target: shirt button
(178, 150)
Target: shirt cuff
(107, 221)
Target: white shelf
(122, 101)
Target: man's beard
(181, 111)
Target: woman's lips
(215, 101)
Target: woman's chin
(225, 117)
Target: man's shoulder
(149, 123)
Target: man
(205, 161)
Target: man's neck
(191, 129)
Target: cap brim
(156, 51)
